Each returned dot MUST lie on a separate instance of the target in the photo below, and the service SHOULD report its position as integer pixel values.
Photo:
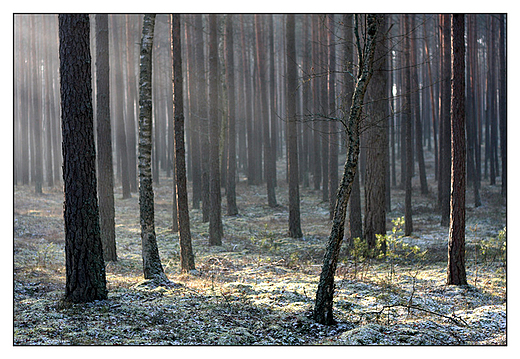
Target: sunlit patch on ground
(259, 286)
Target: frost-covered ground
(259, 287)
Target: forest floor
(258, 288)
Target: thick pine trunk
(84, 264)
(456, 245)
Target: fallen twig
(409, 306)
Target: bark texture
(325, 294)
(215, 216)
(376, 148)
(84, 264)
(187, 258)
(456, 244)
(104, 141)
(152, 266)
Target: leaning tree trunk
(187, 258)
(152, 266)
(84, 265)
(325, 293)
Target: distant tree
(187, 258)
(407, 124)
(325, 294)
(456, 245)
(36, 113)
(376, 145)
(202, 112)
(84, 265)
(417, 114)
(444, 124)
(502, 102)
(268, 148)
(152, 266)
(104, 141)
(118, 112)
(354, 205)
(231, 196)
(333, 124)
(215, 217)
(295, 230)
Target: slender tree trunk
(231, 196)
(444, 133)
(333, 125)
(215, 218)
(377, 142)
(187, 258)
(503, 103)
(407, 119)
(117, 92)
(195, 81)
(37, 114)
(456, 246)
(417, 111)
(152, 266)
(84, 264)
(325, 294)
(104, 140)
(268, 148)
(131, 93)
(295, 230)
(202, 110)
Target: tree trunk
(377, 142)
(325, 294)
(333, 124)
(104, 140)
(417, 110)
(407, 119)
(152, 266)
(231, 196)
(295, 230)
(268, 148)
(187, 258)
(84, 265)
(37, 114)
(503, 103)
(444, 133)
(215, 218)
(456, 246)
(118, 94)
(131, 93)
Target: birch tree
(325, 294)
(152, 266)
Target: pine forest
(260, 179)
